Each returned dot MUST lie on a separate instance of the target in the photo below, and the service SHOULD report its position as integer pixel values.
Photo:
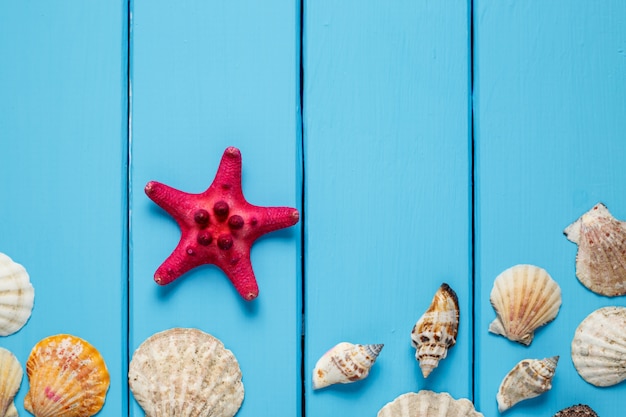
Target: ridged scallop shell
(67, 377)
(185, 373)
(525, 298)
(428, 404)
(599, 347)
(601, 257)
(580, 410)
(345, 363)
(435, 332)
(16, 296)
(528, 379)
(10, 380)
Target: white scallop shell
(599, 347)
(428, 404)
(10, 380)
(525, 297)
(601, 256)
(528, 379)
(16, 296)
(185, 373)
(435, 332)
(345, 363)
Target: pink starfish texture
(218, 226)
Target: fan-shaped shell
(599, 347)
(185, 373)
(345, 363)
(10, 379)
(67, 377)
(528, 379)
(580, 410)
(601, 257)
(16, 296)
(525, 297)
(435, 332)
(428, 404)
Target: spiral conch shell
(525, 298)
(435, 332)
(599, 347)
(67, 376)
(345, 363)
(528, 379)
(10, 380)
(601, 257)
(428, 404)
(16, 296)
(185, 373)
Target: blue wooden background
(422, 141)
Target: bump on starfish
(218, 226)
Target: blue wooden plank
(208, 75)
(63, 174)
(550, 121)
(387, 213)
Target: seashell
(345, 363)
(10, 379)
(525, 298)
(67, 376)
(16, 296)
(435, 332)
(428, 404)
(599, 347)
(580, 410)
(601, 257)
(185, 373)
(528, 379)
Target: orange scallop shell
(67, 376)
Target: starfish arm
(228, 176)
(170, 199)
(180, 261)
(269, 219)
(242, 276)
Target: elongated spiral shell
(67, 376)
(345, 363)
(428, 404)
(599, 347)
(185, 373)
(10, 380)
(435, 332)
(17, 296)
(601, 257)
(525, 298)
(528, 379)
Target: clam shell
(185, 373)
(428, 404)
(435, 332)
(601, 257)
(599, 347)
(67, 376)
(10, 379)
(16, 296)
(580, 410)
(528, 379)
(345, 363)
(524, 297)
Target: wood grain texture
(387, 212)
(550, 120)
(63, 174)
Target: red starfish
(218, 226)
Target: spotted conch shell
(528, 379)
(580, 410)
(10, 380)
(601, 257)
(428, 404)
(435, 332)
(599, 347)
(185, 372)
(16, 296)
(67, 376)
(345, 363)
(525, 297)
